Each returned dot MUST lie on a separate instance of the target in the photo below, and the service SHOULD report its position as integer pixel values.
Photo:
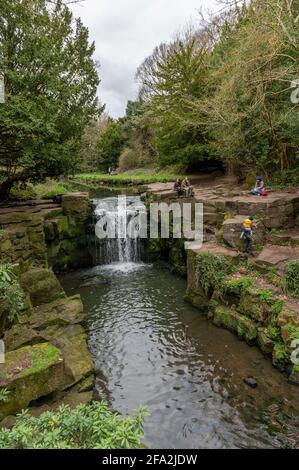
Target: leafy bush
(11, 294)
(292, 277)
(92, 426)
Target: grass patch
(139, 176)
(47, 190)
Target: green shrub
(292, 277)
(22, 192)
(266, 296)
(11, 294)
(92, 426)
(240, 285)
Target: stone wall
(66, 233)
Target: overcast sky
(125, 32)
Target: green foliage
(212, 272)
(223, 91)
(280, 353)
(91, 426)
(22, 192)
(11, 294)
(171, 79)
(292, 277)
(51, 83)
(110, 145)
(240, 285)
(4, 395)
(274, 333)
(266, 296)
(277, 307)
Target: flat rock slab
(212, 247)
(29, 373)
(272, 255)
(286, 237)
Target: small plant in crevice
(266, 296)
(4, 395)
(11, 295)
(212, 272)
(292, 277)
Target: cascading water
(117, 217)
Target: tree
(248, 112)
(51, 82)
(92, 132)
(110, 145)
(171, 79)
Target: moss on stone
(42, 286)
(29, 373)
(231, 319)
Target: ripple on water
(152, 348)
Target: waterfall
(115, 215)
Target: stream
(152, 348)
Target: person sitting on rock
(259, 188)
(187, 188)
(247, 234)
(177, 187)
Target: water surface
(152, 348)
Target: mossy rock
(294, 376)
(252, 305)
(71, 340)
(234, 321)
(288, 321)
(265, 342)
(30, 373)
(281, 356)
(42, 286)
(77, 205)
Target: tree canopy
(51, 81)
(222, 90)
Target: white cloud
(125, 32)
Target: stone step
(285, 237)
(277, 256)
(212, 247)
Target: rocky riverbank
(248, 295)
(47, 358)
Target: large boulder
(77, 204)
(42, 286)
(232, 230)
(60, 324)
(29, 373)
